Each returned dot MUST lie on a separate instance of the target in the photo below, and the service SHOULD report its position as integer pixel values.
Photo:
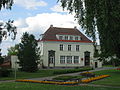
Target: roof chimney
(51, 25)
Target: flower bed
(88, 74)
(66, 83)
(118, 69)
(94, 78)
(49, 82)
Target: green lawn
(65, 78)
(37, 86)
(113, 80)
(42, 73)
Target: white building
(66, 47)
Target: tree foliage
(102, 16)
(6, 4)
(13, 50)
(28, 53)
(6, 29)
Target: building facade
(66, 47)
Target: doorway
(96, 64)
(51, 58)
(87, 58)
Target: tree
(28, 53)
(98, 16)
(13, 50)
(7, 28)
(6, 4)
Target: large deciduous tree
(28, 53)
(102, 16)
(7, 28)
(6, 4)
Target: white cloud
(30, 4)
(58, 8)
(41, 22)
(38, 25)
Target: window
(76, 59)
(66, 37)
(69, 59)
(51, 59)
(69, 47)
(60, 37)
(77, 47)
(76, 38)
(62, 59)
(61, 47)
(71, 37)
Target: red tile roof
(50, 34)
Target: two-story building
(66, 47)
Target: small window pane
(76, 59)
(69, 59)
(69, 47)
(77, 47)
(62, 59)
(71, 37)
(66, 37)
(61, 37)
(61, 47)
(76, 38)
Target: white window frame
(60, 37)
(77, 47)
(76, 60)
(69, 47)
(61, 47)
(69, 59)
(66, 37)
(62, 59)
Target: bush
(5, 72)
(71, 70)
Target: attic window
(60, 37)
(66, 37)
(76, 38)
(71, 37)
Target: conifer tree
(28, 53)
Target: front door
(87, 58)
(96, 64)
(51, 58)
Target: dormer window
(66, 37)
(76, 38)
(71, 37)
(60, 37)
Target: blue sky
(35, 17)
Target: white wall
(52, 45)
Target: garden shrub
(5, 72)
(71, 70)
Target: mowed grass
(37, 86)
(113, 80)
(41, 73)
